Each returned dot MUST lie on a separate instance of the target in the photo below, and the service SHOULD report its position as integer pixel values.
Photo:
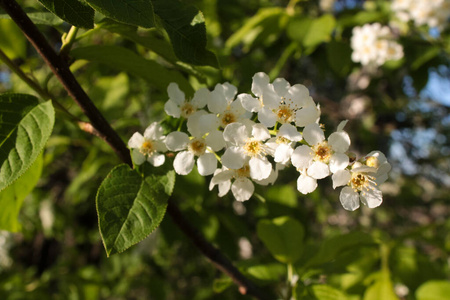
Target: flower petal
(340, 178)
(242, 189)
(138, 157)
(298, 94)
(236, 133)
(290, 132)
(193, 124)
(156, 159)
(306, 116)
(318, 170)
(260, 81)
(215, 140)
(136, 140)
(249, 102)
(259, 168)
(302, 157)
(283, 153)
(233, 158)
(206, 164)
(339, 141)
(313, 134)
(260, 132)
(267, 117)
(184, 163)
(349, 198)
(281, 86)
(154, 131)
(201, 98)
(306, 184)
(172, 109)
(372, 198)
(177, 140)
(338, 161)
(175, 94)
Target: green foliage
(25, 126)
(74, 12)
(11, 198)
(137, 12)
(12, 42)
(185, 26)
(130, 206)
(283, 237)
(433, 290)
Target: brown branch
(101, 128)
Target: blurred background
(400, 107)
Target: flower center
(187, 109)
(282, 140)
(285, 114)
(197, 146)
(243, 172)
(362, 182)
(227, 118)
(147, 148)
(253, 147)
(322, 152)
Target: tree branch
(102, 128)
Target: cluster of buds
(254, 136)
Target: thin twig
(102, 128)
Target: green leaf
(221, 284)
(130, 206)
(283, 237)
(25, 126)
(339, 57)
(433, 290)
(128, 61)
(12, 40)
(42, 18)
(12, 197)
(334, 246)
(311, 32)
(263, 20)
(185, 26)
(326, 292)
(381, 289)
(268, 272)
(74, 12)
(136, 12)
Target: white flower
(225, 110)
(374, 44)
(322, 157)
(200, 144)
(178, 105)
(280, 102)
(238, 181)
(267, 99)
(247, 142)
(148, 146)
(423, 12)
(363, 180)
(282, 144)
(306, 184)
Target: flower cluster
(423, 12)
(254, 136)
(374, 44)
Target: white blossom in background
(362, 181)
(435, 13)
(201, 145)
(178, 105)
(148, 147)
(247, 142)
(327, 5)
(374, 44)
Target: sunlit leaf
(12, 197)
(283, 237)
(434, 290)
(131, 206)
(25, 126)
